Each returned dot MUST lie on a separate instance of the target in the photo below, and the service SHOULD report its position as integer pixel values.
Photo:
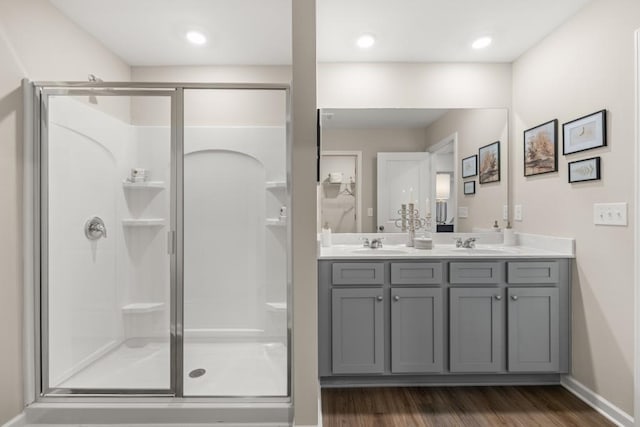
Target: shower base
(231, 369)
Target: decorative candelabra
(410, 221)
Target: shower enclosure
(162, 240)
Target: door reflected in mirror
(388, 157)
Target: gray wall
(584, 66)
(370, 142)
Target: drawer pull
(515, 297)
(396, 298)
(379, 298)
(498, 297)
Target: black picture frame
(470, 166)
(489, 163)
(590, 170)
(540, 154)
(585, 133)
(469, 187)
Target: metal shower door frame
(41, 152)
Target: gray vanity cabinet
(357, 319)
(533, 325)
(444, 321)
(475, 329)
(416, 330)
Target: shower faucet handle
(94, 228)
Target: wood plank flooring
(456, 406)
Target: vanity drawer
(533, 272)
(416, 273)
(357, 273)
(474, 273)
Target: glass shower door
(107, 209)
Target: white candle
(428, 208)
(411, 195)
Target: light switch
(505, 212)
(610, 214)
(369, 211)
(517, 212)
(463, 212)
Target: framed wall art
(470, 187)
(585, 133)
(470, 166)
(541, 149)
(489, 163)
(584, 170)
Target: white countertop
(439, 251)
(349, 246)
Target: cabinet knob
(498, 297)
(514, 297)
(396, 298)
(379, 297)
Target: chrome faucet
(376, 243)
(467, 243)
(373, 244)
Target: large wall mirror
(375, 160)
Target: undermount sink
(380, 251)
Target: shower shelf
(143, 222)
(142, 307)
(275, 222)
(143, 185)
(274, 185)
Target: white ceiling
(151, 32)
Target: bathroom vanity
(404, 316)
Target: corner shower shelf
(142, 307)
(273, 185)
(143, 222)
(275, 222)
(143, 185)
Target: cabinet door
(357, 317)
(416, 330)
(475, 329)
(534, 329)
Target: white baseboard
(17, 421)
(597, 402)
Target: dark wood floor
(456, 406)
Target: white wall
(476, 128)
(584, 66)
(32, 36)
(409, 85)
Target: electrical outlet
(505, 212)
(610, 214)
(369, 211)
(463, 212)
(517, 212)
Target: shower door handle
(171, 242)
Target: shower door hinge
(171, 242)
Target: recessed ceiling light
(196, 37)
(481, 43)
(365, 41)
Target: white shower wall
(86, 149)
(235, 248)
